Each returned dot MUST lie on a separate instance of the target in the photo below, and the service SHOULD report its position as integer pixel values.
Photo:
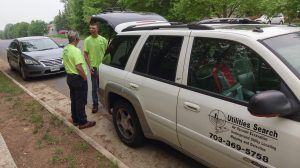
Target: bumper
(40, 70)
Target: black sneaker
(95, 109)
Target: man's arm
(87, 60)
(81, 71)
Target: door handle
(191, 107)
(133, 86)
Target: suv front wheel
(127, 124)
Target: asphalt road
(58, 82)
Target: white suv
(226, 95)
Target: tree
(21, 29)
(8, 31)
(75, 15)
(37, 28)
(2, 34)
(189, 10)
(160, 7)
(61, 21)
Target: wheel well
(113, 97)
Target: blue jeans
(78, 93)
(95, 86)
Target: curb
(89, 140)
(6, 160)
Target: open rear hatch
(118, 20)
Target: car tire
(126, 124)
(10, 66)
(23, 74)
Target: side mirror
(270, 103)
(61, 45)
(14, 50)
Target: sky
(14, 11)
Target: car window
(38, 45)
(288, 51)
(13, 45)
(159, 57)
(119, 51)
(230, 69)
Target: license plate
(54, 68)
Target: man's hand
(92, 71)
(81, 71)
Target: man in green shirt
(94, 50)
(76, 69)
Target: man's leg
(95, 87)
(70, 83)
(80, 101)
(82, 91)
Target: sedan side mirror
(270, 103)
(14, 50)
(61, 45)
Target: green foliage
(2, 34)
(37, 28)
(23, 29)
(78, 12)
(197, 9)
(61, 21)
(75, 15)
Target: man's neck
(74, 44)
(95, 35)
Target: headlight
(30, 62)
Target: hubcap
(124, 123)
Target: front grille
(52, 62)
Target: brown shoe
(74, 123)
(87, 125)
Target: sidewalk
(6, 160)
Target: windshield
(38, 45)
(288, 48)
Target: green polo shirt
(72, 56)
(95, 47)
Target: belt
(73, 75)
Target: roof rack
(193, 26)
(229, 21)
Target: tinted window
(230, 69)
(13, 45)
(159, 57)
(119, 51)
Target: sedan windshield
(287, 47)
(38, 45)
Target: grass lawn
(36, 138)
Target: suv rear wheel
(127, 124)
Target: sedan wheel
(24, 77)
(127, 124)
(10, 66)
